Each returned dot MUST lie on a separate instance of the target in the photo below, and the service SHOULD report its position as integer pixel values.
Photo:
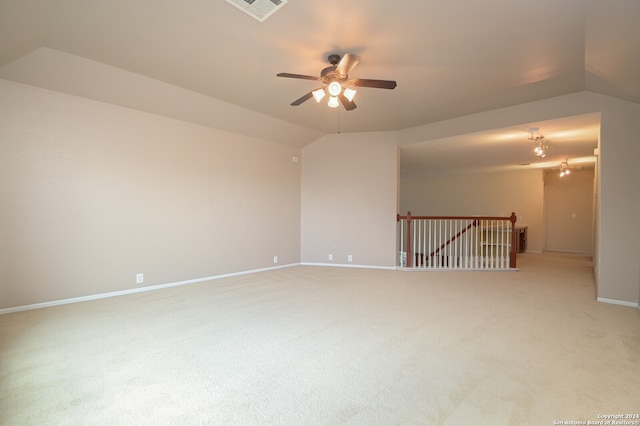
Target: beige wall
(93, 194)
(489, 194)
(349, 193)
(618, 230)
(568, 212)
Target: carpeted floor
(330, 346)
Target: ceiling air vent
(259, 9)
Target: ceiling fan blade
(346, 64)
(378, 84)
(302, 99)
(304, 77)
(348, 105)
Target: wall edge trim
(134, 290)
(347, 265)
(618, 302)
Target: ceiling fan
(337, 82)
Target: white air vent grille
(259, 9)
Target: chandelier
(564, 168)
(541, 148)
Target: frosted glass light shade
(349, 93)
(334, 88)
(318, 94)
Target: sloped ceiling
(209, 63)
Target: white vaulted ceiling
(208, 62)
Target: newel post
(409, 254)
(513, 253)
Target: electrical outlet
(275, 259)
(349, 258)
(330, 257)
(139, 278)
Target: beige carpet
(330, 346)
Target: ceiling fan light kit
(337, 83)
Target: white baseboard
(347, 265)
(215, 277)
(135, 290)
(618, 302)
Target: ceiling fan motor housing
(334, 59)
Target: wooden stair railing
(475, 221)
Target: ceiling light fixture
(535, 134)
(541, 149)
(564, 169)
(335, 79)
(333, 102)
